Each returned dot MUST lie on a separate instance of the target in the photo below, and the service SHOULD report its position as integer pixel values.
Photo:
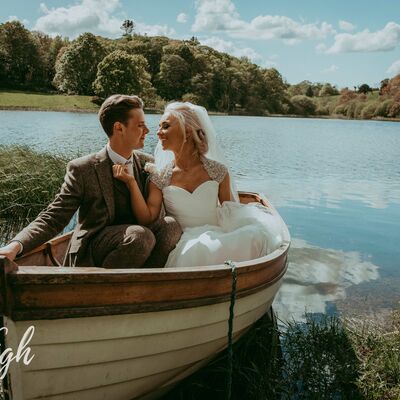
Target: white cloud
(346, 26)
(95, 16)
(15, 18)
(86, 16)
(154, 30)
(330, 69)
(365, 41)
(221, 15)
(181, 18)
(215, 15)
(394, 69)
(316, 276)
(231, 48)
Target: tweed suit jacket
(88, 186)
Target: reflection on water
(336, 184)
(326, 192)
(317, 276)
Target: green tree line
(160, 69)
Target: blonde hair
(188, 121)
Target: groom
(106, 234)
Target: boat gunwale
(61, 275)
(95, 311)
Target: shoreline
(214, 113)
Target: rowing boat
(125, 334)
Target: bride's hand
(120, 172)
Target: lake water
(336, 184)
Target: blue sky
(343, 42)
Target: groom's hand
(11, 250)
(120, 172)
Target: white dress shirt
(118, 159)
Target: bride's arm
(224, 192)
(146, 211)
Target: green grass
(28, 182)
(323, 358)
(378, 351)
(43, 101)
(373, 95)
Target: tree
(21, 61)
(394, 111)
(275, 89)
(174, 77)
(123, 73)
(309, 92)
(391, 87)
(202, 86)
(3, 68)
(328, 90)
(183, 50)
(384, 85)
(299, 88)
(194, 41)
(127, 27)
(76, 69)
(48, 48)
(303, 105)
(149, 47)
(191, 97)
(252, 88)
(364, 88)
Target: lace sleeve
(160, 178)
(215, 169)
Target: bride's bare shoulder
(216, 170)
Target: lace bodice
(192, 209)
(215, 170)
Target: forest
(160, 69)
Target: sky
(344, 42)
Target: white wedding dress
(213, 234)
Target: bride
(191, 178)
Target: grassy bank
(323, 358)
(364, 107)
(14, 100)
(45, 102)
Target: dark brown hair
(116, 109)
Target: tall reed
(29, 181)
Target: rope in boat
(232, 265)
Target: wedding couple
(176, 209)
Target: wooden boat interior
(52, 253)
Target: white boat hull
(126, 356)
